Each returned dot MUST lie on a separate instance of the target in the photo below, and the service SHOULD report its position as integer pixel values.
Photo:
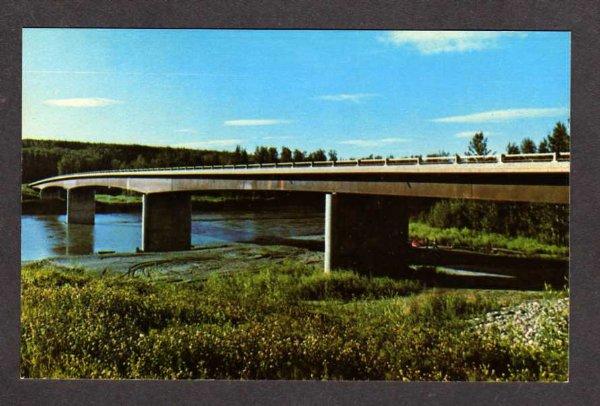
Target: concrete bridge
(366, 220)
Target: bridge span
(366, 220)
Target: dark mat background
(580, 17)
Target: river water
(45, 236)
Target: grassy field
(481, 241)
(284, 321)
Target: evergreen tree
(478, 145)
(298, 156)
(512, 148)
(244, 159)
(240, 156)
(318, 155)
(332, 155)
(528, 146)
(273, 154)
(286, 154)
(261, 155)
(543, 147)
(559, 140)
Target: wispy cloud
(255, 122)
(71, 72)
(469, 134)
(360, 142)
(187, 131)
(276, 137)
(207, 144)
(351, 97)
(434, 42)
(504, 115)
(127, 73)
(82, 102)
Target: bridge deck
(537, 178)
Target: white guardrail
(456, 159)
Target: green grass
(481, 241)
(118, 199)
(288, 321)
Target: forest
(46, 158)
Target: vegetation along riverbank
(283, 319)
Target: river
(44, 236)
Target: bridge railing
(417, 160)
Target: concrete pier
(366, 233)
(81, 206)
(166, 222)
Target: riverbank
(278, 316)
(489, 243)
(32, 204)
(433, 268)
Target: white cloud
(504, 115)
(82, 102)
(373, 143)
(94, 72)
(254, 122)
(469, 134)
(433, 42)
(207, 144)
(276, 137)
(351, 97)
(187, 131)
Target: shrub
(549, 223)
(478, 241)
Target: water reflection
(80, 239)
(49, 235)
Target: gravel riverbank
(536, 324)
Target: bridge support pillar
(81, 206)
(366, 233)
(166, 222)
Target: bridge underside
(546, 190)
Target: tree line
(46, 158)
(547, 222)
(559, 140)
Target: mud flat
(194, 264)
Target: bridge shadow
(465, 269)
(458, 269)
(483, 279)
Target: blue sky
(358, 92)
